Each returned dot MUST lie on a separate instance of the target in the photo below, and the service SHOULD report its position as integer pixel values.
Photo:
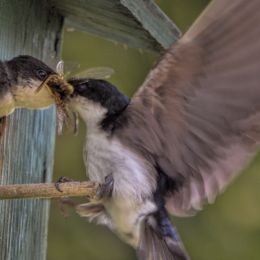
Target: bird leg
(64, 203)
(62, 179)
(91, 210)
(105, 190)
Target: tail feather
(160, 241)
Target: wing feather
(197, 113)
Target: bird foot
(62, 179)
(105, 190)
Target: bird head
(21, 78)
(96, 100)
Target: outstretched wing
(198, 111)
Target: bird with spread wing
(182, 138)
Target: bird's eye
(41, 74)
(81, 87)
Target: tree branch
(48, 190)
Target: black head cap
(102, 92)
(27, 67)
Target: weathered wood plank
(136, 23)
(153, 20)
(27, 27)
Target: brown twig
(48, 190)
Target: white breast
(106, 156)
(134, 180)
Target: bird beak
(53, 90)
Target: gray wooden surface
(26, 156)
(137, 23)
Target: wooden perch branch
(48, 190)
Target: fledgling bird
(187, 132)
(26, 82)
(19, 79)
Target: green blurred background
(228, 229)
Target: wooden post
(27, 27)
(136, 23)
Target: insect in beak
(57, 85)
(60, 89)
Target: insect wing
(67, 68)
(70, 68)
(95, 73)
(60, 68)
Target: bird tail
(160, 240)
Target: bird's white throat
(134, 182)
(91, 112)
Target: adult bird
(187, 132)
